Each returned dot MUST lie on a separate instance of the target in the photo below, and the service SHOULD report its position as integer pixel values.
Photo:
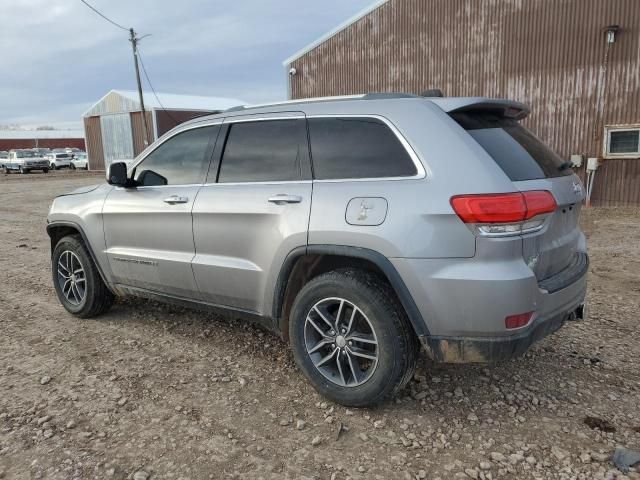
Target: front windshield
(26, 154)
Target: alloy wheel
(71, 277)
(341, 342)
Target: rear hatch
(531, 165)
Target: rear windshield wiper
(565, 165)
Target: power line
(144, 70)
(104, 16)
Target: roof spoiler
(507, 108)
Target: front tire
(23, 170)
(72, 166)
(45, 170)
(352, 339)
(77, 281)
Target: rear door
(254, 209)
(531, 165)
(148, 229)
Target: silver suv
(357, 228)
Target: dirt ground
(151, 391)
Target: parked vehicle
(41, 151)
(356, 228)
(79, 160)
(24, 161)
(3, 156)
(58, 160)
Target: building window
(622, 142)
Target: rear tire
(379, 320)
(23, 170)
(72, 166)
(77, 281)
(6, 170)
(45, 170)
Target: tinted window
(515, 149)
(181, 160)
(356, 148)
(264, 151)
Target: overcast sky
(57, 57)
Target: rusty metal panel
(167, 119)
(11, 143)
(138, 131)
(550, 54)
(93, 138)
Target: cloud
(58, 57)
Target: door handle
(173, 199)
(282, 199)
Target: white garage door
(117, 137)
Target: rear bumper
(494, 349)
(465, 302)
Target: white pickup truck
(24, 161)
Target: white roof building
(118, 101)
(114, 126)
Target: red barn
(10, 139)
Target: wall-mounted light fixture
(612, 30)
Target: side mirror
(117, 175)
(149, 178)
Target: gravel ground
(151, 391)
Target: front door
(148, 228)
(253, 211)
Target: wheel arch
(59, 229)
(304, 263)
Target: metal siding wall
(167, 119)
(8, 143)
(113, 103)
(93, 137)
(547, 53)
(117, 137)
(138, 131)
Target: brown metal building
(114, 128)
(575, 62)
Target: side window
(357, 148)
(181, 160)
(264, 151)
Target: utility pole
(134, 44)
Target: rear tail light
(518, 321)
(504, 213)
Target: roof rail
(293, 102)
(366, 96)
(387, 95)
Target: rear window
(515, 149)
